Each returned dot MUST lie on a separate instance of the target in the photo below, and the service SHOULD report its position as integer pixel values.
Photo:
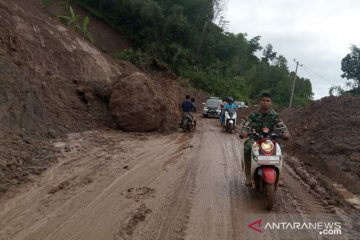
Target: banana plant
(72, 19)
(84, 29)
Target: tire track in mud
(176, 221)
(242, 199)
(180, 186)
(136, 214)
(59, 217)
(211, 213)
(303, 199)
(293, 197)
(171, 218)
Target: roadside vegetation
(71, 18)
(190, 38)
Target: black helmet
(230, 99)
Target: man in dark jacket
(187, 107)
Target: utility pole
(293, 86)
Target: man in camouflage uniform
(264, 117)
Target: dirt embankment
(324, 141)
(325, 136)
(53, 82)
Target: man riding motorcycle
(230, 104)
(256, 121)
(229, 122)
(187, 108)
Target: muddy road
(114, 185)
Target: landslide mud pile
(53, 81)
(325, 137)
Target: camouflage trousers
(247, 157)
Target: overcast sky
(318, 33)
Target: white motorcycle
(230, 120)
(266, 165)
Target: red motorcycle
(266, 165)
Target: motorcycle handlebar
(257, 136)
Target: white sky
(318, 33)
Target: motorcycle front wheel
(231, 128)
(269, 196)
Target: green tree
(268, 53)
(350, 65)
(336, 90)
(182, 36)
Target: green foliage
(84, 29)
(336, 91)
(181, 36)
(350, 65)
(140, 58)
(73, 20)
(268, 53)
(137, 57)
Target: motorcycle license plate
(268, 159)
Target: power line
(311, 78)
(320, 76)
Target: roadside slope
(54, 82)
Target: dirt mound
(134, 104)
(53, 82)
(325, 137)
(139, 103)
(243, 113)
(43, 67)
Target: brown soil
(325, 137)
(115, 185)
(66, 173)
(53, 81)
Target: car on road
(212, 107)
(240, 104)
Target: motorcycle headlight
(267, 146)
